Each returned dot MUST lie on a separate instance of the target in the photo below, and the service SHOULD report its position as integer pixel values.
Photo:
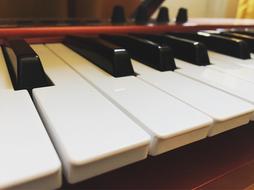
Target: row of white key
(200, 96)
(71, 108)
(218, 79)
(28, 159)
(243, 69)
(86, 148)
(195, 94)
(90, 134)
(169, 122)
(121, 93)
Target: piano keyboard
(94, 116)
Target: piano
(127, 103)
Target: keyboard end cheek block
(112, 59)
(24, 65)
(157, 56)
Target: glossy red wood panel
(56, 33)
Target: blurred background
(101, 9)
(214, 8)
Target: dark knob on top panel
(118, 15)
(163, 16)
(182, 16)
(141, 15)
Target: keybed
(96, 120)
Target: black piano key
(226, 45)
(24, 65)
(157, 56)
(186, 50)
(109, 57)
(249, 39)
(245, 32)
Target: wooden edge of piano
(57, 33)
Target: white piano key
(58, 72)
(200, 96)
(234, 70)
(217, 59)
(218, 79)
(5, 81)
(170, 122)
(243, 69)
(28, 159)
(91, 135)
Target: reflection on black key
(24, 66)
(109, 57)
(159, 57)
(229, 46)
(186, 50)
(249, 39)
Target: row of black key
(159, 51)
(111, 58)
(226, 45)
(113, 53)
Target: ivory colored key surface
(59, 73)
(5, 81)
(170, 122)
(28, 159)
(227, 111)
(218, 59)
(91, 135)
(243, 69)
(235, 70)
(218, 79)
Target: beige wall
(221, 8)
(204, 8)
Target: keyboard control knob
(163, 16)
(182, 16)
(141, 15)
(118, 15)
